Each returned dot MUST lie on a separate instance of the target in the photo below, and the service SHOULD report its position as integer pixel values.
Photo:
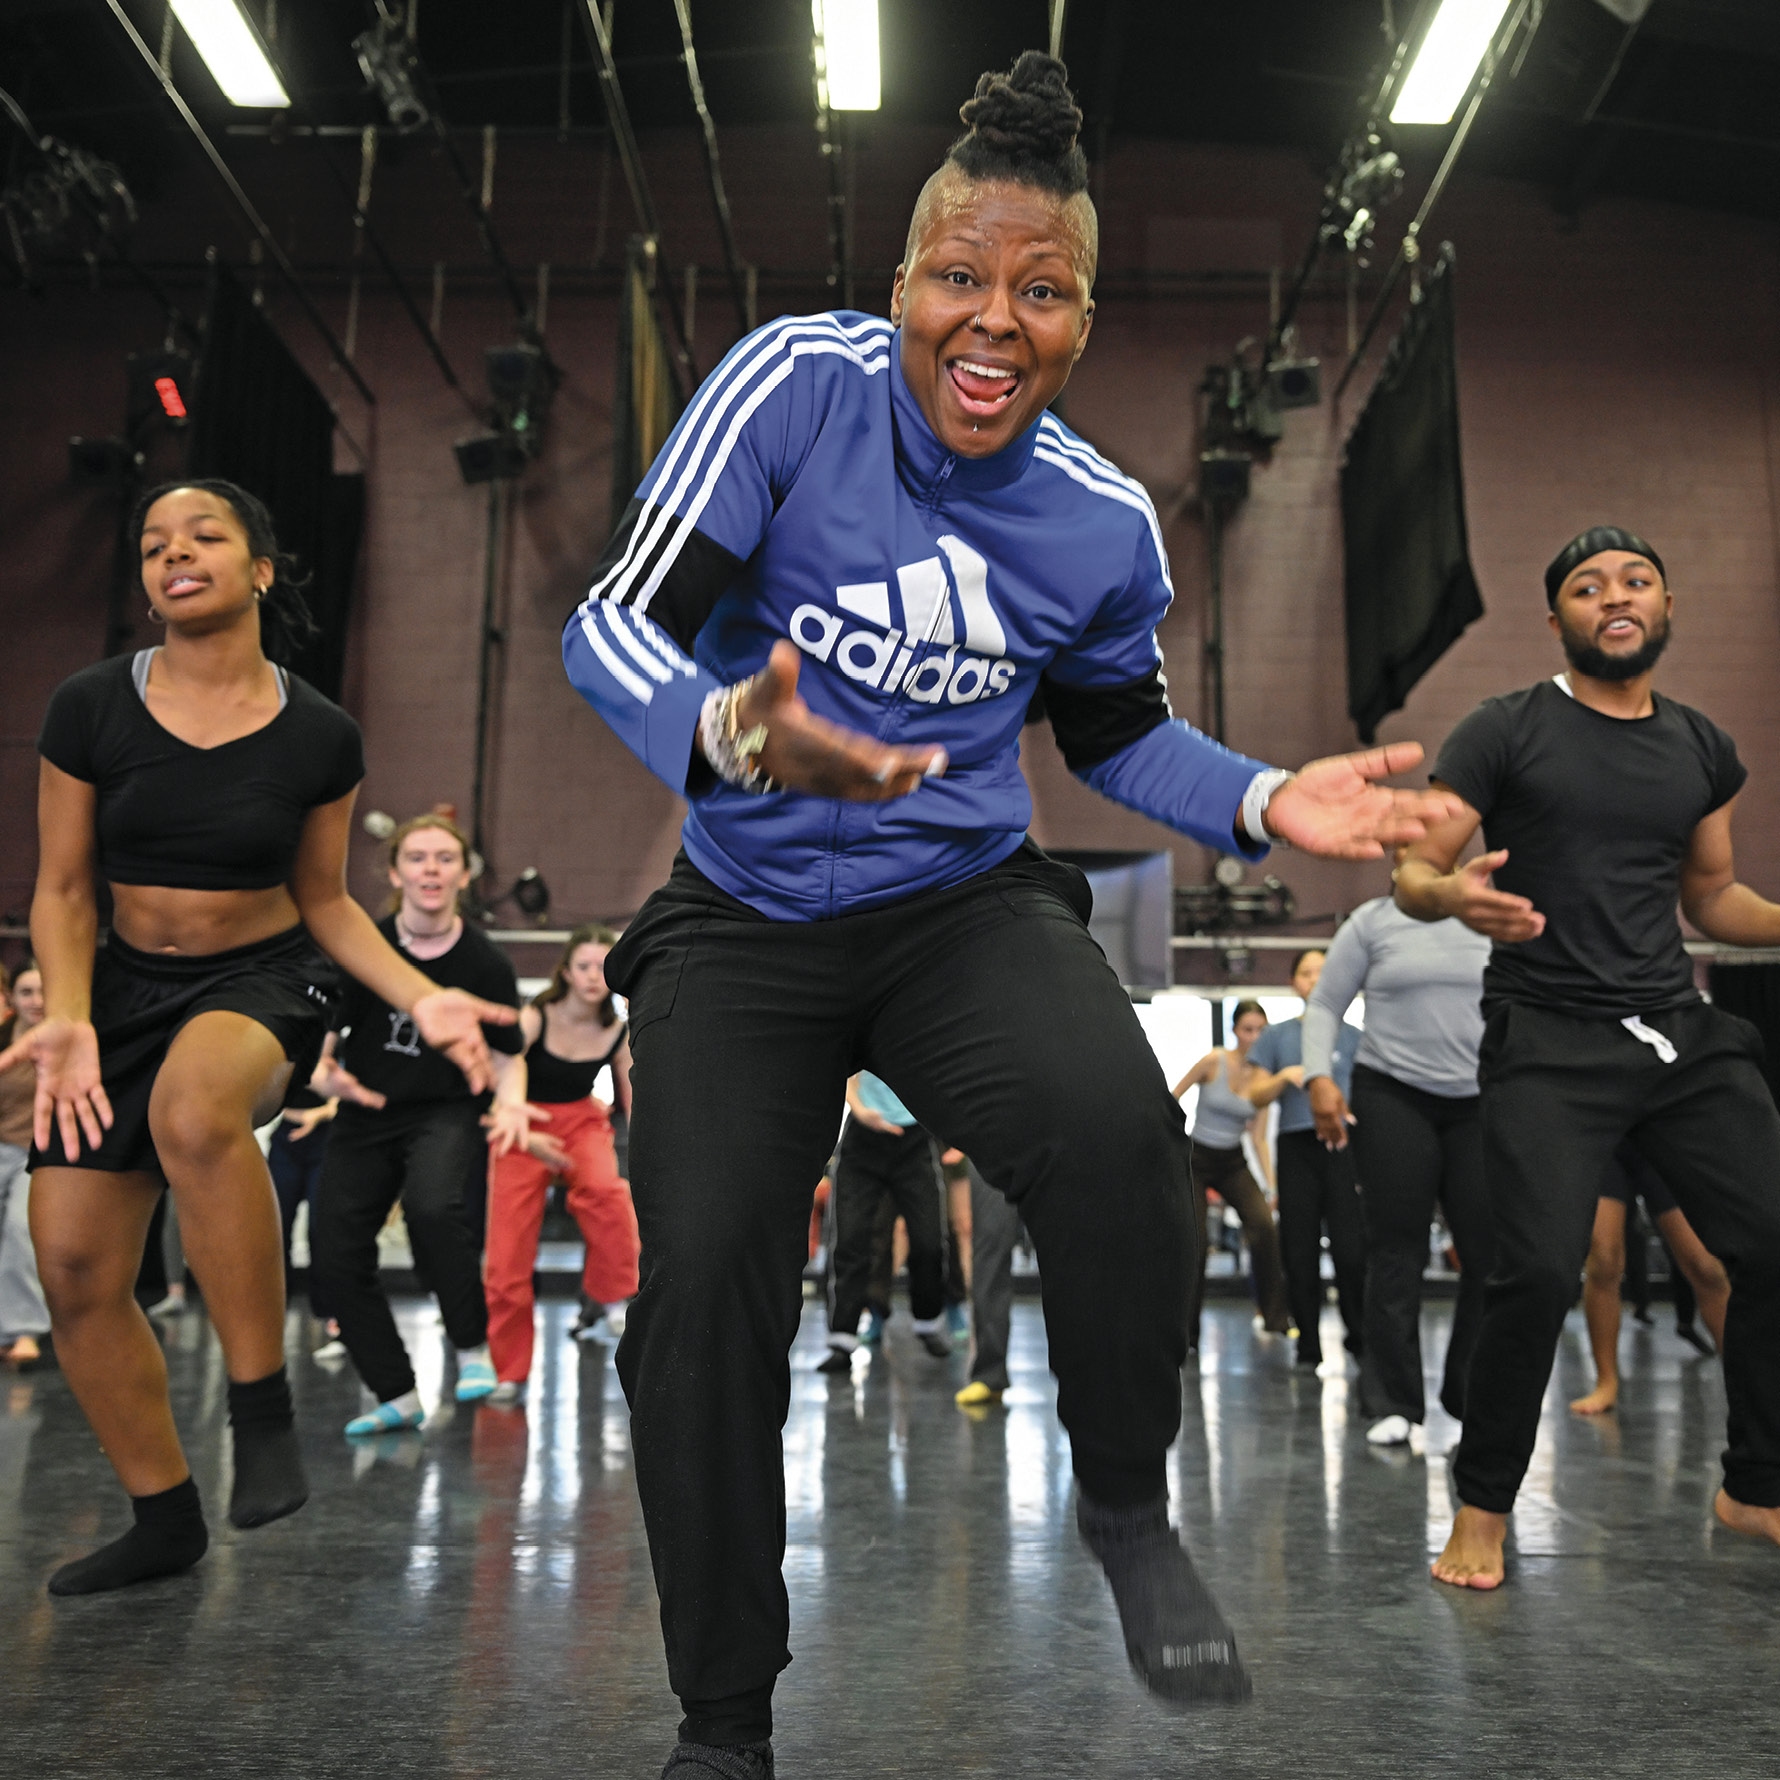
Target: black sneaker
(741, 1761)
(839, 1359)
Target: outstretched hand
(1335, 808)
(1469, 895)
(509, 1126)
(70, 1094)
(804, 752)
(332, 1080)
(452, 1021)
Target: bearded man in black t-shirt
(1604, 805)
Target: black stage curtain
(260, 421)
(1752, 991)
(1410, 589)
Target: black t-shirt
(1597, 814)
(382, 1048)
(224, 818)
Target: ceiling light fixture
(223, 35)
(1448, 60)
(847, 54)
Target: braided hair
(1024, 127)
(286, 626)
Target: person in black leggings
(1221, 1116)
(1315, 1183)
(1417, 1138)
(411, 1130)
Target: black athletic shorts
(1628, 1173)
(143, 1000)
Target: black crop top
(223, 818)
(551, 1080)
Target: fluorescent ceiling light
(847, 44)
(1448, 58)
(232, 52)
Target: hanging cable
(732, 259)
(244, 204)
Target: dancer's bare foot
(1742, 1517)
(1473, 1554)
(1603, 1397)
(24, 1351)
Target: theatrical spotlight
(102, 462)
(386, 59)
(490, 457)
(529, 892)
(522, 382)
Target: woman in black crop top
(572, 1031)
(214, 791)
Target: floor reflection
(476, 1597)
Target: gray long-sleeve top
(1423, 982)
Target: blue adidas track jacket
(804, 495)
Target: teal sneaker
(386, 1418)
(475, 1380)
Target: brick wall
(1625, 369)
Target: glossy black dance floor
(476, 1600)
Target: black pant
(1558, 1094)
(994, 1234)
(999, 1022)
(876, 1168)
(296, 1178)
(1225, 1172)
(1316, 1188)
(1415, 1149)
(429, 1156)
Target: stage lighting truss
(1367, 180)
(386, 59)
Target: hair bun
(1027, 114)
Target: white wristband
(1254, 806)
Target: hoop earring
(155, 617)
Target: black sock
(169, 1536)
(734, 1761)
(269, 1478)
(1179, 1643)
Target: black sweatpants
(1000, 1023)
(429, 1156)
(1316, 1188)
(875, 1168)
(296, 1178)
(1413, 1150)
(994, 1235)
(1559, 1093)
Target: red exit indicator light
(171, 400)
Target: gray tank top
(1222, 1114)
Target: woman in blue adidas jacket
(863, 551)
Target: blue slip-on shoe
(385, 1419)
(475, 1380)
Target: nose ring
(976, 321)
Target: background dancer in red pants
(572, 1031)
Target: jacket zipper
(929, 506)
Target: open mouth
(181, 584)
(984, 389)
(1619, 630)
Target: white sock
(408, 1403)
(468, 1355)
